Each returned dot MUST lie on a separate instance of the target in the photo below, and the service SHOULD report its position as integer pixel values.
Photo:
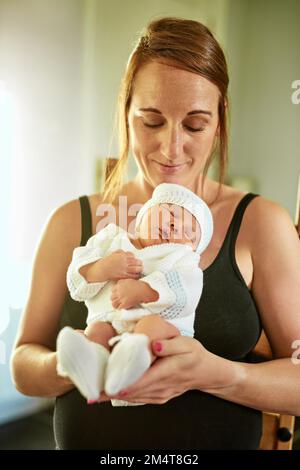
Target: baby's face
(166, 223)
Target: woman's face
(173, 121)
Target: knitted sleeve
(179, 290)
(94, 250)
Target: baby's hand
(125, 294)
(122, 265)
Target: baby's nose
(174, 227)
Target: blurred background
(61, 62)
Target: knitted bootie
(127, 362)
(83, 361)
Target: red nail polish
(158, 346)
(91, 402)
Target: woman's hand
(173, 373)
(183, 364)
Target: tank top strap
(237, 218)
(86, 220)
(228, 247)
(234, 227)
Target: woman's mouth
(170, 169)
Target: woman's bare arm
(33, 362)
(270, 386)
(273, 385)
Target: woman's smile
(170, 169)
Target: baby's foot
(127, 362)
(83, 361)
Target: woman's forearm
(272, 386)
(34, 372)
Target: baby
(123, 280)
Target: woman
(203, 392)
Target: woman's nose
(172, 144)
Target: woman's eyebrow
(199, 111)
(195, 111)
(150, 110)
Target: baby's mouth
(160, 234)
(163, 238)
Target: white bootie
(127, 362)
(83, 361)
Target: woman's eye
(191, 129)
(195, 130)
(151, 125)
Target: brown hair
(192, 47)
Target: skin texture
(168, 223)
(173, 142)
(268, 263)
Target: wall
(263, 52)
(40, 60)
(113, 32)
(40, 97)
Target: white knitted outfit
(172, 269)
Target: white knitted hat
(176, 194)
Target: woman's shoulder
(67, 210)
(69, 214)
(261, 219)
(264, 215)
(270, 229)
(265, 223)
(64, 223)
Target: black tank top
(227, 323)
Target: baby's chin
(144, 242)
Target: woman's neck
(142, 189)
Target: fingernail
(91, 402)
(123, 393)
(158, 346)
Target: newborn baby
(137, 289)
